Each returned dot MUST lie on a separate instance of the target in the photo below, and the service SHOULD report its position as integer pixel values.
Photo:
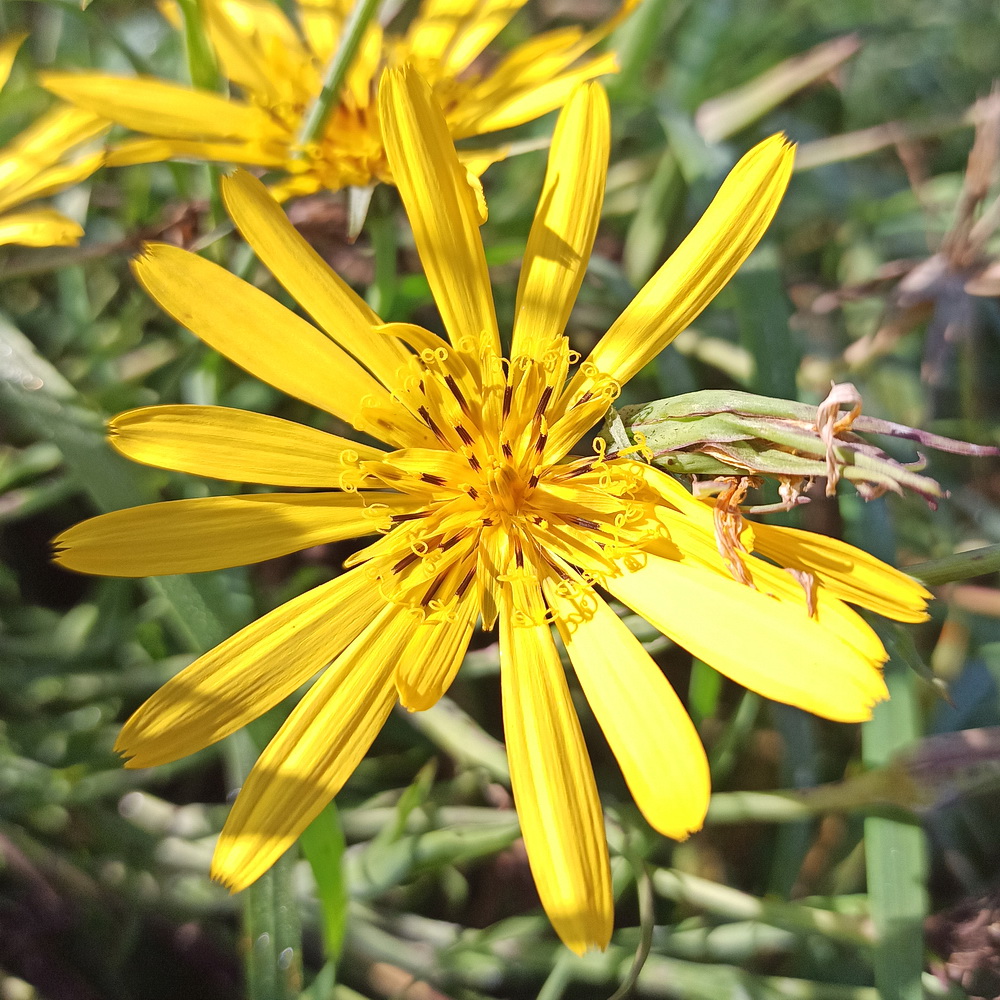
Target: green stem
(895, 852)
(314, 122)
(960, 566)
(385, 247)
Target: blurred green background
(884, 885)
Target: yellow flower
(39, 162)
(279, 71)
(483, 514)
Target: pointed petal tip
(227, 879)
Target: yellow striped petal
(562, 234)
(452, 33)
(40, 227)
(528, 98)
(237, 445)
(723, 238)
(646, 726)
(166, 109)
(134, 151)
(31, 154)
(314, 752)
(850, 573)
(441, 206)
(248, 674)
(431, 660)
(765, 644)
(553, 783)
(261, 335)
(192, 536)
(334, 306)
(46, 182)
(8, 52)
(239, 33)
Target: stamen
(473, 492)
(474, 462)
(415, 515)
(581, 522)
(429, 420)
(407, 560)
(543, 402)
(454, 540)
(433, 480)
(533, 482)
(449, 380)
(540, 443)
(508, 396)
(464, 435)
(506, 449)
(581, 471)
(585, 398)
(466, 583)
(432, 590)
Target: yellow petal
(441, 207)
(250, 673)
(334, 306)
(767, 645)
(28, 162)
(534, 94)
(43, 183)
(8, 51)
(314, 752)
(240, 32)
(723, 238)
(237, 445)
(41, 227)
(450, 34)
(646, 726)
(165, 109)
(192, 536)
(553, 783)
(260, 335)
(562, 234)
(431, 660)
(133, 151)
(850, 573)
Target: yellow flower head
(41, 161)
(279, 71)
(483, 514)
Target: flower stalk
(725, 433)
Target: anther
(540, 443)
(508, 396)
(415, 515)
(507, 451)
(407, 560)
(454, 540)
(581, 522)
(543, 402)
(465, 584)
(581, 471)
(449, 380)
(474, 462)
(464, 435)
(427, 419)
(433, 480)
